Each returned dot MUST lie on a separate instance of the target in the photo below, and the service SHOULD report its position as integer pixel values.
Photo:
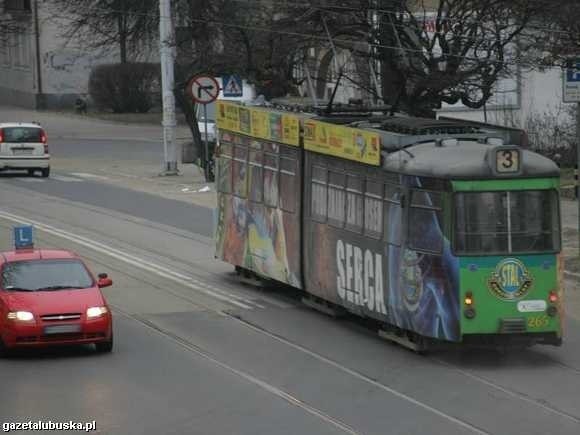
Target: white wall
(537, 93)
(65, 67)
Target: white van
(24, 146)
(249, 94)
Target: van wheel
(31, 172)
(45, 172)
(104, 346)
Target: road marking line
(32, 180)
(66, 179)
(87, 175)
(132, 260)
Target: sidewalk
(131, 174)
(144, 177)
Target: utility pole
(167, 84)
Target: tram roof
(420, 146)
(461, 159)
(400, 131)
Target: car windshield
(21, 134)
(520, 222)
(45, 275)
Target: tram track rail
(91, 244)
(509, 391)
(277, 392)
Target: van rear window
(21, 134)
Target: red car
(49, 297)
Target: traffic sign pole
(204, 90)
(206, 168)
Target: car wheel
(31, 172)
(3, 349)
(104, 346)
(45, 172)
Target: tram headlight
(552, 311)
(468, 299)
(553, 297)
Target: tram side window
(271, 180)
(425, 226)
(319, 194)
(354, 203)
(256, 176)
(225, 168)
(393, 214)
(336, 199)
(240, 172)
(288, 180)
(373, 209)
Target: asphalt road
(188, 217)
(198, 353)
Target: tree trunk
(122, 32)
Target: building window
(17, 5)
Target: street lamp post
(167, 85)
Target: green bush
(125, 88)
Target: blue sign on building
(23, 237)
(573, 74)
(232, 86)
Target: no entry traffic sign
(203, 89)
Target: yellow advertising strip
(339, 141)
(261, 123)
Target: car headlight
(96, 312)
(22, 316)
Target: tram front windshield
(514, 222)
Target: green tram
(434, 229)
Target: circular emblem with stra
(511, 280)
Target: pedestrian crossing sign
(232, 86)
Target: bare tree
(554, 35)
(124, 25)
(429, 52)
